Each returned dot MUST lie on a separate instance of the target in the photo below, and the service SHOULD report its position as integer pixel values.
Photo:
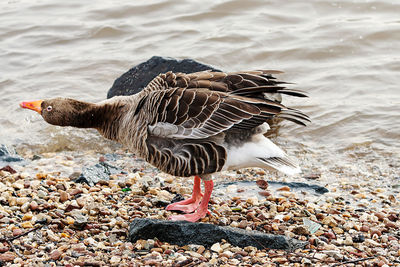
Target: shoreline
(81, 224)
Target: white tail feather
(260, 152)
(284, 165)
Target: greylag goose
(187, 125)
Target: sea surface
(345, 54)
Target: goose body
(190, 125)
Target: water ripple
(344, 53)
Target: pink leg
(201, 210)
(190, 204)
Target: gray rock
(183, 233)
(96, 173)
(137, 78)
(7, 156)
(295, 185)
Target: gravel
(47, 218)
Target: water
(345, 54)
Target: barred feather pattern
(182, 123)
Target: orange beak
(33, 105)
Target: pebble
(26, 225)
(284, 188)
(338, 230)
(76, 191)
(372, 243)
(33, 205)
(330, 235)
(334, 254)
(115, 259)
(320, 256)
(390, 224)
(280, 260)
(380, 215)
(375, 231)
(149, 244)
(7, 257)
(348, 241)
(243, 224)
(3, 248)
(236, 208)
(201, 249)
(253, 201)
(216, 248)
(64, 196)
(228, 254)
(301, 230)
(330, 221)
(55, 255)
(159, 250)
(22, 200)
(17, 231)
(262, 184)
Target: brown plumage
(190, 124)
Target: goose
(186, 125)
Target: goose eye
(49, 108)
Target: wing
(259, 84)
(191, 110)
(183, 136)
(181, 158)
(202, 113)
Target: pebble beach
(47, 219)
(342, 53)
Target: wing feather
(192, 108)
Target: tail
(260, 152)
(282, 164)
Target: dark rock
(358, 238)
(139, 76)
(312, 176)
(8, 169)
(96, 173)
(183, 233)
(177, 198)
(159, 203)
(7, 156)
(36, 157)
